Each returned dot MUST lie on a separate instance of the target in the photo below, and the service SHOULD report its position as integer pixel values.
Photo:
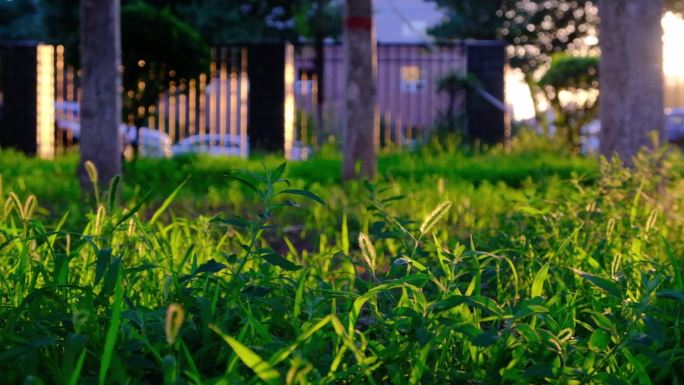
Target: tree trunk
(101, 79)
(361, 67)
(631, 75)
(539, 116)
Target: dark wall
(486, 60)
(266, 65)
(18, 80)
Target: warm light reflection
(45, 101)
(223, 108)
(233, 95)
(673, 45)
(518, 94)
(244, 84)
(289, 100)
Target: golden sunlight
(673, 45)
(518, 95)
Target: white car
(152, 143)
(674, 124)
(212, 144)
(300, 151)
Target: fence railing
(409, 103)
(205, 114)
(209, 113)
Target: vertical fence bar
(192, 107)
(315, 130)
(150, 118)
(202, 108)
(244, 84)
(45, 101)
(233, 96)
(163, 102)
(59, 95)
(223, 82)
(172, 112)
(70, 97)
(387, 119)
(213, 97)
(303, 118)
(182, 110)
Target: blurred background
(192, 71)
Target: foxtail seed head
(434, 217)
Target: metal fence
(674, 91)
(205, 114)
(409, 104)
(210, 113)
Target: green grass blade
(112, 332)
(538, 283)
(167, 201)
(260, 367)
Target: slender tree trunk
(631, 75)
(101, 104)
(361, 123)
(540, 116)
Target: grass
(478, 268)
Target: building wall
(408, 100)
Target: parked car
(151, 143)
(674, 123)
(212, 144)
(674, 129)
(300, 151)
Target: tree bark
(631, 75)
(361, 72)
(539, 116)
(101, 81)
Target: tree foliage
(535, 29)
(455, 84)
(578, 77)
(20, 19)
(318, 18)
(157, 48)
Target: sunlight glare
(673, 45)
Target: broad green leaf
(485, 339)
(483, 303)
(540, 370)
(285, 352)
(211, 267)
(260, 367)
(133, 210)
(420, 366)
(304, 193)
(538, 283)
(104, 257)
(608, 286)
(112, 331)
(676, 295)
(599, 339)
(280, 261)
(168, 201)
(278, 172)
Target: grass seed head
(367, 250)
(175, 315)
(434, 217)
